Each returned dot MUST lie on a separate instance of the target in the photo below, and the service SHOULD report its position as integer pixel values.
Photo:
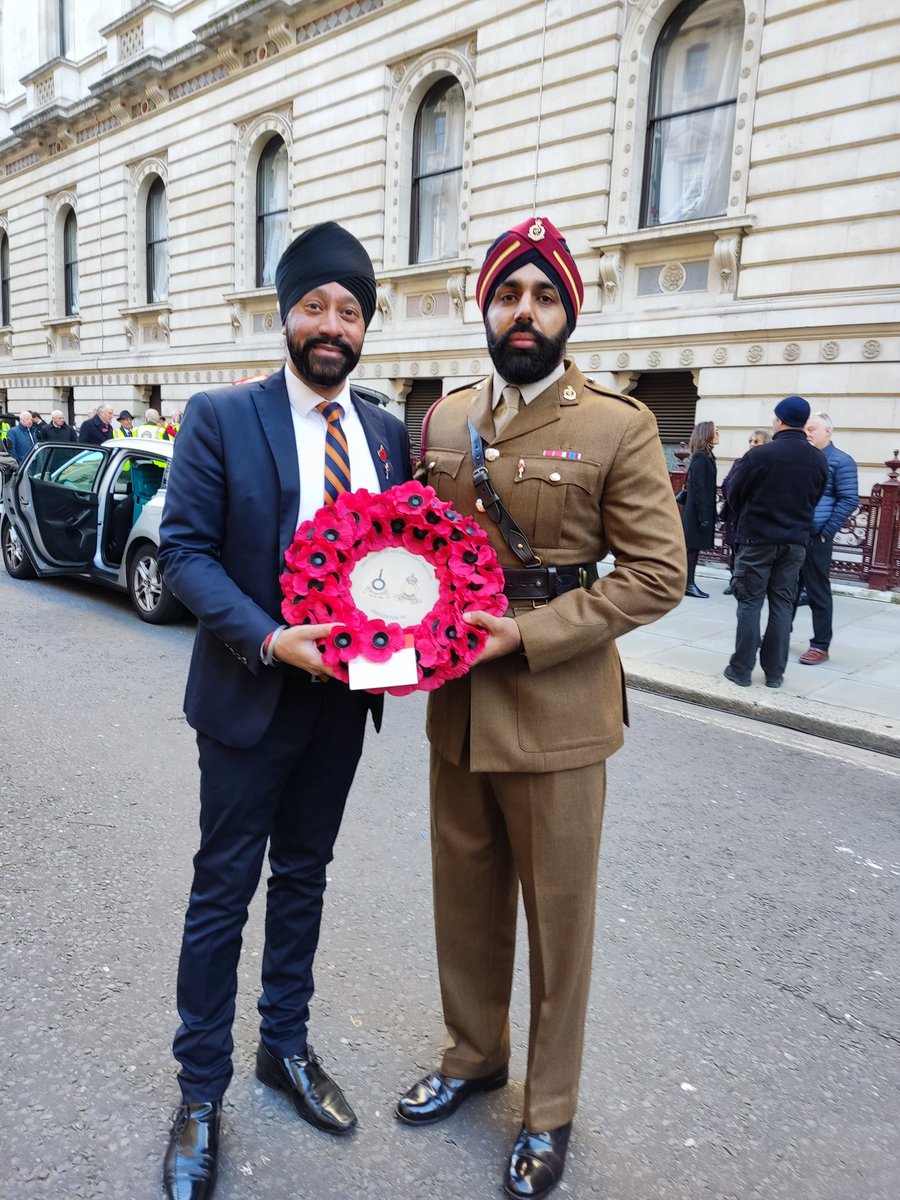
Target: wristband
(267, 650)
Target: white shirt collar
(304, 400)
(528, 390)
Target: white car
(93, 512)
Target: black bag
(681, 497)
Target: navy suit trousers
(289, 790)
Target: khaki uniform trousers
(489, 831)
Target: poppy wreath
(316, 584)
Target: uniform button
(432, 465)
(555, 477)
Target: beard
(329, 373)
(518, 364)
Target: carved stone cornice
(244, 21)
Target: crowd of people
(97, 426)
(785, 499)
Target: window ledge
(680, 231)
(146, 310)
(147, 324)
(254, 312)
(423, 290)
(629, 250)
(62, 322)
(426, 270)
(63, 332)
(264, 295)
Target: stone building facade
(726, 172)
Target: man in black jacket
(774, 491)
(57, 430)
(96, 431)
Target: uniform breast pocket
(443, 467)
(557, 491)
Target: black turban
(325, 254)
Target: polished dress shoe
(313, 1093)
(693, 590)
(729, 591)
(438, 1096)
(189, 1171)
(537, 1162)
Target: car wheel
(15, 556)
(153, 601)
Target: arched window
(693, 97)
(272, 217)
(157, 227)
(5, 318)
(437, 173)
(70, 264)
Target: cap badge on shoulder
(537, 232)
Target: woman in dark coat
(698, 515)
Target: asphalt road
(744, 1030)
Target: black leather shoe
(192, 1159)
(314, 1094)
(537, 1162)
(693, 590)
(438, 1096)
(729, 591)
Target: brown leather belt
(541, 583)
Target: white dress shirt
(309, 431)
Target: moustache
(523, 327)
(337, 342)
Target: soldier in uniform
(518, 746)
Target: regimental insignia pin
(382, 454)
(537, 232)
(569, 393)
(491, 454)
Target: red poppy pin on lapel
(382, 454)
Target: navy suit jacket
(230, 514)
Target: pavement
(853, 698)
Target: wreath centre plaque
(394, 585)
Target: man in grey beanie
(774, 492)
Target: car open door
(56, 501)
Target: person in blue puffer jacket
(838, 501)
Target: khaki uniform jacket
(561, 703)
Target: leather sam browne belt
(543, 583)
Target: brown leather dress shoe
(438, 1096)
(537, 1162)
(189, 1170)
(313, 1093)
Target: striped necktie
(337, 456)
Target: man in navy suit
(278, 740)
